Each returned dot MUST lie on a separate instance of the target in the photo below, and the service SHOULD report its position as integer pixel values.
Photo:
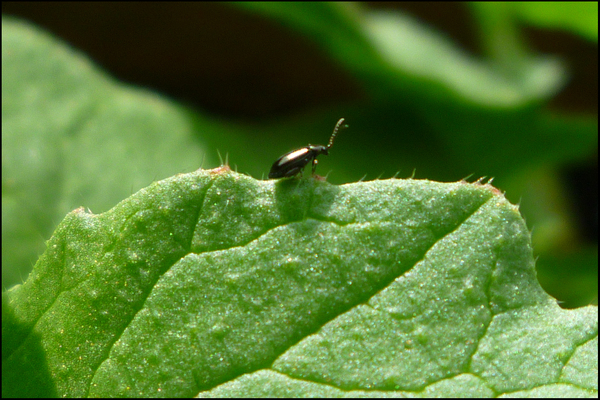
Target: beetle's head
(318, 149)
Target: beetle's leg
(314, 165)
(292, 172)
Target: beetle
(293, 163)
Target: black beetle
(293, 163)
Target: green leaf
(394, 54)
(578, 17)
(73, 136)
(218, 284)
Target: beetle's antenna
(338, 126)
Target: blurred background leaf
(439, 90)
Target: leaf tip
(223, 169)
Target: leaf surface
(216, 283)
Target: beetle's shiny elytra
(293, 163)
